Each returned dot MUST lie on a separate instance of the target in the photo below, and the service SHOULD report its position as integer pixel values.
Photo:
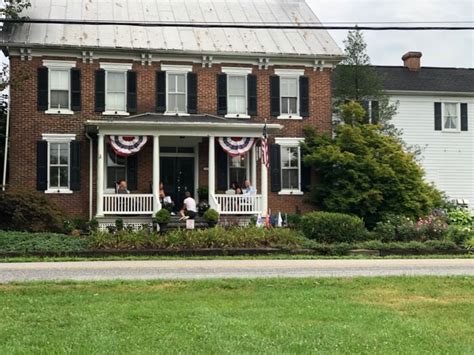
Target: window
(58, 166)
(450, 117)
(116, 168)
(177, 93)
(238, 169)
(237, 95)
(116, 87)
(289, 96)
(290, 168)
(59, 89)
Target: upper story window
(116, 89)
(289, 94)
(59, 87)
(177, 92)
(237, 92)
(291, 169)
(450, 117)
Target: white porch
(147, 204)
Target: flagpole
(264, 173)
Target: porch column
(100, 175)
(156, 174)
(264, 191)
(212, 167)
(253, 166)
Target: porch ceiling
(192, 125)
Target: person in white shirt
(249, 189)
(189, 207)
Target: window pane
(114, 159)
(292, 105)
(293, 157)
(54, 153)
(450, 116)
(288, 87)
(177, 83)
(59, 80)
(177, 102)
(114, 174)
(172, 83)
(237, 85)
(63, 176)
(237, 104)
(237, 174)
(181, 83)
(115, 82)
(53, 177)
(64, 153)
(116, 102)
(290, 179)
(59, 99)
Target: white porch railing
(128, 204)
(239, 204)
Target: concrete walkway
(201, 269)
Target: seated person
(189, 209)
(235, 186)
(162, 191)
(249, 189)
(122, 187)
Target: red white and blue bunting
(235, 146)
(127, 145)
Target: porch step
(175, 223)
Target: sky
(439, 48)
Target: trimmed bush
(211, 216)
(163, 216)
(458, 235)
(460, 217)
(29, 212)
(327, 227)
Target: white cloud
(440, 48)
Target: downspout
(91, 192)
(5, 157)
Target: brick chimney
(412, 61)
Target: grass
(362, 315)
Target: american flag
(264, 144)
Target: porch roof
(192, 125)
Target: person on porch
(122, 187)
(189, 209)
(249, 189)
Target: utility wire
(292, 26)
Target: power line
(279, 26)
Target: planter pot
(163, 227)
(211, 224)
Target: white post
(253, 160)
(264, 191)
(100, 175)
(212, 167)
(156, 174)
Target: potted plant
(162, 217)
(203, 206)
(212, 217)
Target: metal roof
(281, 42)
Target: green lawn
(382, 315)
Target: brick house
(171, 98)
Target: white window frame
(64, 139)
(180, 70)
(247, 169)
(110, 190)
(59, 65)
(458, 117)
(238, 72)
(290, 143)
(117, 68)
(291, 74)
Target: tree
(365, 172)
(13, 9)
(356, 80)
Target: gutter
(5, 157)
(91, 192)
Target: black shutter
(75, 151)
(221, 94)
(100, 90)
(75, 89)
(132, 172)
(275, 167)
(192, 93)
(464, 119)
(43, 76)
(161, 91)
(365, 106)
(42, 165)
(375, 113)
(252, 95)
(437, 114)
(222, 162)
(274, 95)
(306, 172)
(131, 92)
(304, 96)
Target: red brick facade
(27, 124)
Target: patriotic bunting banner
(127, 145)
(236, 146)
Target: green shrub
(119, 224)
(469, 243)
(458, 235)
(29, 212)
(163, 216)
(122, 240)
(294, 220)
(385, 231)
(460, 217)
(93, 225)
(432, 227)
(211, 215)
(21, 242)
(327, 227)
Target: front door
(177, 175)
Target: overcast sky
(440, 48)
